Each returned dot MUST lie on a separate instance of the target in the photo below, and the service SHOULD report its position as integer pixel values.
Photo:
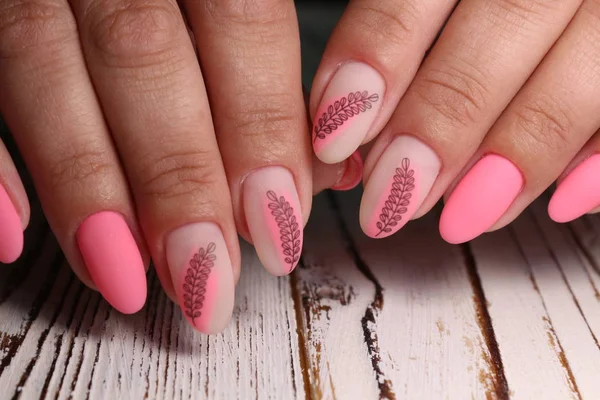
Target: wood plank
(61, 340)
(532, 278)
(392, 318)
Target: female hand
(137, 152)
(505, 103)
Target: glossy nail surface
(202, 275)
(479, 200)
(272, 210)
(113, 260)
(11, 230)
(578, 193)
(352, 175)
(347, 110)
(399, 183)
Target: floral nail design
(342, 110)
(288, 228)
(196, 277)
(398, 199)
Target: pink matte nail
(400, 181)
(483, 196)
(11, 230)
(113, 260)
(272, 209)
(578, 193)
(347, 110)
(202, 275)
(353, 173)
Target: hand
(505, 103)
(137, 152)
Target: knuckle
(531, 10)
(75, 169)
(393, 23)
(179, 174)
(547, 123)
(27, 25)
(457, 95)
(273, 121)
(133, 29)
(261, 12)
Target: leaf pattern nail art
(288, 228)
(342, 110)
(399, 198)
(196, 278)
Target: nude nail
(347, 110)
(273, 214)
(113, 260)
(578, 193)
(399, 183)
(11, 230)
(352, 175)
(480, 199)
(202, 275)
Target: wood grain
(60, 340)
(392, 318)
(514, 314)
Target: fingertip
(11, 230)
(113, 260)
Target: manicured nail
(578, 193)
(353, 173)
(202, 274)
(113, 260)
(11, 230)
(480, 199)
(397, 186)
(347, 110)
(273, 215)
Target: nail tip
(330, 157)
(450, 236)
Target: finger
(250, 55)
(371, 58)
(49, 104)
(543, 128)
(14, 209)
(578, 189)
(463, 86)
(342, 176)
(142, 62)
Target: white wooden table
(515, 314)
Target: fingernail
(399, 183)
(113, 260)
(353, 173)
(202, 275)
(578, 193)
(594, 211)
(346, 112)
(11, 230)
(272, 209)
(480, 199)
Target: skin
(112, 111)
(142, 107)
(469, 97)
